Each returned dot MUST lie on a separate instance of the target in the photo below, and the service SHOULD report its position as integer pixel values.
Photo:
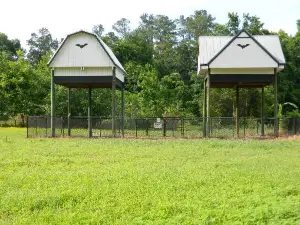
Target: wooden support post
(52, 104)
(204, 108)
(237, 125)
(122, 108)
(262, 112)
(69, 112)
(113, 113)
(208, 123)
(275, 104)
(90, 113)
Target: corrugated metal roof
(272, 44)
(210, 46)
(106, 48)
(111, 54)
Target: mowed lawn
(134, 181)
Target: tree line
(160, 57)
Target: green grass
(129, 181)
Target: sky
(20, 18)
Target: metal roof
(105, 47)
(211, 46)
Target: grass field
(128, 181)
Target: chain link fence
(218, 127)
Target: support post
(89, 113)
(122, 109)
(208, 123)
(262, 112)
(69, 112)
(28, 125)
(237, 125)
(204, 108)
(275, 104)
(52, 104)
(113, 102)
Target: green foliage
(98, 29)
(121, 181)
(172, 93)
(9, 46)
(15, 85)
(280, 107)
(160, 57)
(122, 27)
(39, 44)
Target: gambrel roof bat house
(232, 61)
(84, 60)
(240, 61)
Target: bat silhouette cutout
(243, 46)
(81, 46)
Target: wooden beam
(237, 125)
(262, 112)
(275, 104)
(122, 108)
(90, 113)
(208, 123)
(204, 108)
(113, 105)
(69, 112)
(52, 104)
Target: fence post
(211, 126)
(182, 132)
(135, 127)
(36, 126)
(164, 129)
(120, 120)
(27, 126)
(100, 126)
(233, 123)
(62, 127)
(244, 127)
(147, 127)
(46, 126)
(294, 126)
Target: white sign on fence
(157, 124)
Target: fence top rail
(162, 118)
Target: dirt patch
(289, 138)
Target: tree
(4, 67)
(201, 23)
(9, 46)
(134, 47)
(122, 27)
(221, 30)
(233, 24)
(110, 39)
(15, 85)
(164, 40)
(252, 24)
(147, 26)
(172, 90)
(149, 94)
(39, 44)
(98, 30)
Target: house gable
(81, 50)
(243, 51)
